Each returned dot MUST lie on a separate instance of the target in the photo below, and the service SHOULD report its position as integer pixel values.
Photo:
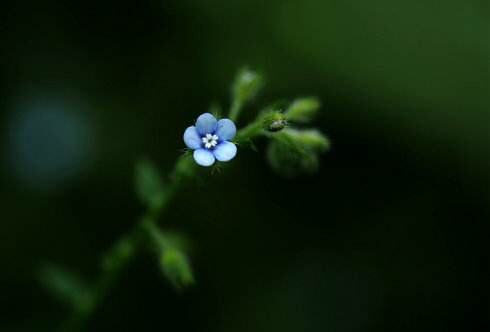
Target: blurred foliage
(303, 109)
(66, 286)
(171, 247)
(245, 87)
(391, 235)
(176, 268)
(294, 152)
(149, 185)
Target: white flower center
(210, 141)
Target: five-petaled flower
(210, 139)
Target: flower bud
(303, 109)
(294, 152)
(176, 268)
(309, 139)
(274, 121)
(247, 84)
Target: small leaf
(66, 286)
(120, 252)
(173, 260)
(149, 184)
(185, 169)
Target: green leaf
(65, 286)
(185, 169)
(121, 252)
(149, 185)
(173, 259)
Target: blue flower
(210, 139)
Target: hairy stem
(118, 257)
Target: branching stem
(118, 257)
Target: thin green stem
(236, 107)
(118, 257)
(252, 130)
(115, 261)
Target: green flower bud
(289, 162)
(303, 109)
(274, 121)
(308, 139)
(176, 268)
(294, 152)
(246, 85)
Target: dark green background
(391, 235)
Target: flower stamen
(210, 141)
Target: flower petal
(206, 124)
(226, 129)
(203, 157)
(192, 138)
(225, 151)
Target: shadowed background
(390, 235)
